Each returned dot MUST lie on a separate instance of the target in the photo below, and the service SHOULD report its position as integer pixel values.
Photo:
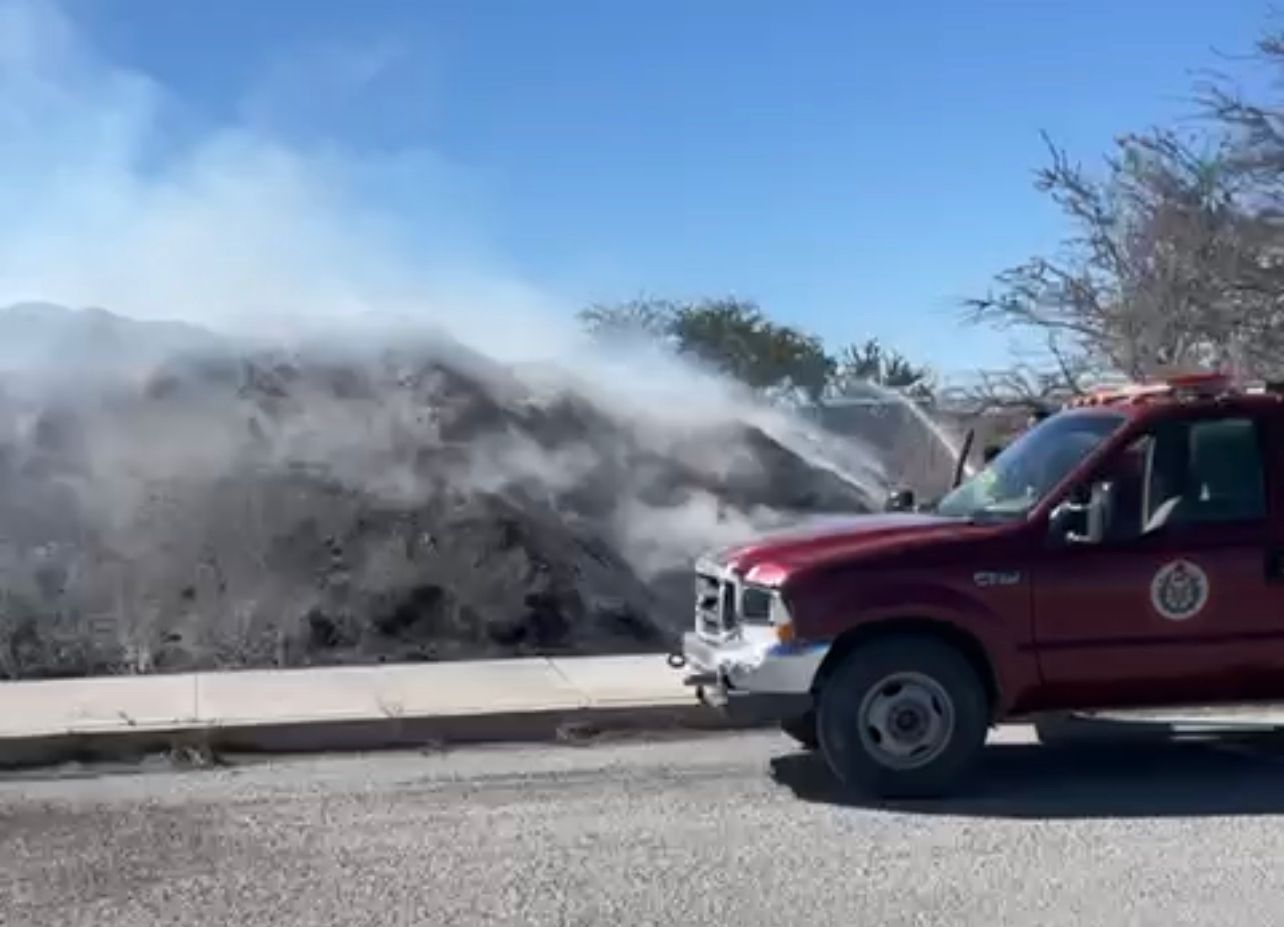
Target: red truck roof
(1180, 396)
(1191, 388)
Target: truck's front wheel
(903, 716)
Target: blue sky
(854, 167)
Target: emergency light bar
(1193, 385)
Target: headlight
(780, 616)
(781, 620)
(766, 606)
(756, 603)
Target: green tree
(735, 337)
(650, 319)
(872, 362)
(730, 335)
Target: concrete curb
(356, 736)
(346, 710)
(200, 717)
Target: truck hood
(771, 558)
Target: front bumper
(751, 678)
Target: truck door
(1180, 599)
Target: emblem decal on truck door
(1179, 590)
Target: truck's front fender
(996, 619)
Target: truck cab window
(1128, 475)
(1205, 472)
(1226, 467)
(1032, 466)
(1185, 472)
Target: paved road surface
(727, 830)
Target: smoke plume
(301, 424)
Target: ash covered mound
(216, 506)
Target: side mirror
(1085, 516)
(900, 500)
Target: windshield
(1030, 467)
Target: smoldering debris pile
(255, 508)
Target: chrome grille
(728, 605)
(716, 605)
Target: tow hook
(677, 661)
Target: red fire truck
(1127, 551)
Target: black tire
(960, 716)
(802, 729)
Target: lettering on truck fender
(988, 578)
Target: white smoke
(239, 232)
(233, 230)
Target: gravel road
(727, 830)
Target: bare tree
(1175, 257)
(1141, 285)
(1255, 153)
